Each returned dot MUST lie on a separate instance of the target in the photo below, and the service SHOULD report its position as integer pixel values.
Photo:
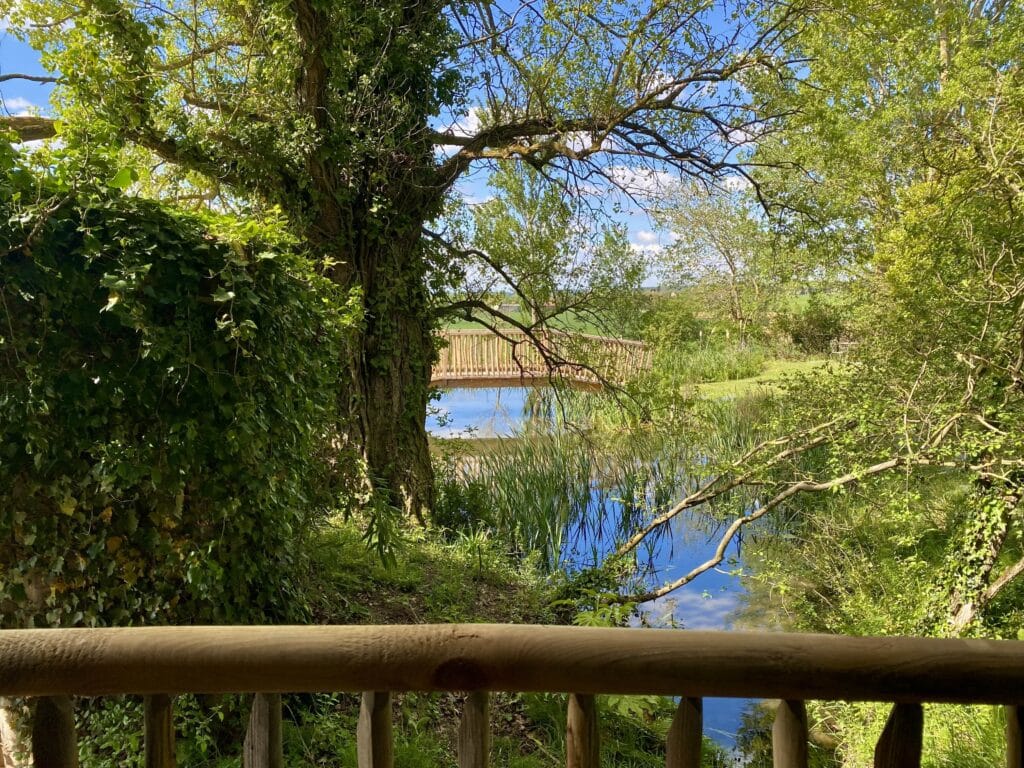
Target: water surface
(710, 602)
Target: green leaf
(122, 178)
(112, 301)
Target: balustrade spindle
(373, 734)
(1014, 737)
(789, 735)
(158, 713)
(264, 745)
(899, 746)
(475, 731)
(54, 744)
(686, 735)
(582, 743)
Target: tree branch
(30, 78)
(30, 127)
(805, 486)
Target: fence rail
(481, 357)
(53, 665)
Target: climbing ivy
(157, 444)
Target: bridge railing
(583, 358)
(53, 665)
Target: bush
(814, 328)
(162, 392)
(671, 322)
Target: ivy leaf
(122, 178)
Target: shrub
(162, 392)
(671, 322)
(815, 327)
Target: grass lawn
(774, 371)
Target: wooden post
(475, 731)
(686, 736)
(54, 744)
(1014, 737)
(264, 746)
(159, 731)
(582, 743)
(899, 746)
(789, 735)
(373, 734)
(10, 744)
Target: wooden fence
(53, 665)
(483, 358)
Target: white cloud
(471, 199)
(19, 107)
(466, 125)
(658, 80)
(646, 242)
(692, 610)
(641, 182)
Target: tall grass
(695, 363)
(572, 497)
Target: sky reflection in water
(708, 603)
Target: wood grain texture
(54, 744)
(471, 657)
(582, 743)
(158, 715)
(475, 731)
(374, 744)
(686, 735)
(1014, 737)
(899, 746)
(264, 743)
(789, 735)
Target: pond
(710, 602)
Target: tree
(541, 246)
(933, 230)
(721, 243)
(327, 111)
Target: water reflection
(595, 515)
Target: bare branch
(191, 58)
(805, 486)
(30, 78)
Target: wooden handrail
(53, 664)
(472, 657)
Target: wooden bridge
(481, 358)
(52, 665)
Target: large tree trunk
(388, 378)
(392, 377)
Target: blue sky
(20, 96)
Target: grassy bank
(771, 376)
